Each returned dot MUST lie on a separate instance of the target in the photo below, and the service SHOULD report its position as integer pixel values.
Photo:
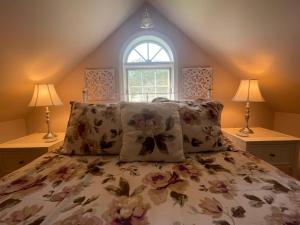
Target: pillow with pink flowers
(201, 125)
(93, 129)
(151, 132)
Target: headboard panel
(197, 83)
(100, 85)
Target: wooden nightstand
(278, 149)
(17, 153)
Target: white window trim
(172, 66)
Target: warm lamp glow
(248, 91)
(44, 95)
(256, 64)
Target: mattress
(219, 188)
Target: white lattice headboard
(100, 85)
(197, 83)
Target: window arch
(148, 66)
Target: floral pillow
(93, 129)
(201, 125)
(152, 132)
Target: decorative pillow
(93, 129)
(201, 125)
(152, 132)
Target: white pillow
(151, 132)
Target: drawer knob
(272, 155)
(21, 162)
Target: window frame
(126, 66)
(170, 55)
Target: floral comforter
(222, 188)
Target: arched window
(148, 66)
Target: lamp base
(246, 130)
(49, 136)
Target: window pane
(162, 90)
(134, 78)
(135, 94)
(135, 90)
(162, 77)
(136, 98)
(149, 90)
(150, 98)
(148, 77)
(153, 49)
(143, 50)
(147, 84)
(134, 57)
(162, 56)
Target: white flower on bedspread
(20, 216)
(127, 210)
(188, 170)
(162, 183)
(280, 217)
(81, 217)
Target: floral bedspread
(219, 188)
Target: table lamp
(248, 91)
(45, 95)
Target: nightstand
(19, 152)
(278, 149)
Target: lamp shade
(248, 91)
(44, 95)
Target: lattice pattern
(197, 82)
(100, 84)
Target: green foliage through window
(146, 84)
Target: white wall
(288, 123)
(12, 129)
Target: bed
(229, 187)
(220, 188)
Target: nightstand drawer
(17, 159)
(274, 153)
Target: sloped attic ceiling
(257, 39)
(40, 41)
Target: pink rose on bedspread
(188, 170)
(64, 172)
(20, 216)
(59, 196)
(25, 183)
(127, 210)
(162, 183)
(211, 206)
(80, 217)
(224, 187)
